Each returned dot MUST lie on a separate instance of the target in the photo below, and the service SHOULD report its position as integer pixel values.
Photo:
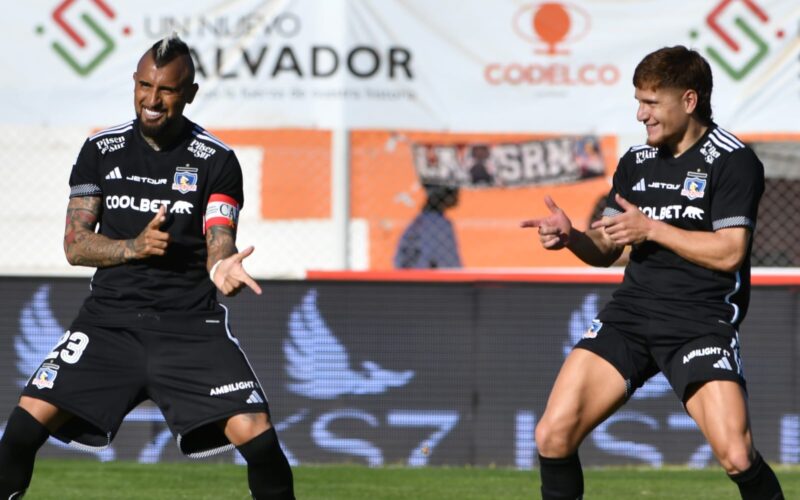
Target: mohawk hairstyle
(168, 48)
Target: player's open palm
(554, 229)
(152, 240)
(230, 276)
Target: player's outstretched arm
(722, 250)
(556, 232)
(225, 262)
(84, 247)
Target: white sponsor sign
(456, 65)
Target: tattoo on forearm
(220, 242)
(82, 245)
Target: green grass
(77, 479)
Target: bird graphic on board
(657, 386)
(39, 334)
(320, 365)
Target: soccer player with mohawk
(166, 196)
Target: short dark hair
(439, 196)
(169, 48)
(678, 68)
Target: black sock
(23, 437)
(562, 478)
(268, 471)
(758, 482)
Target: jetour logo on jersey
(744, 30)
(85, 29)
(550, 26)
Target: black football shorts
(193, 369)
(685, 358)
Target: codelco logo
(551, 27)
(82, 56)
(746, 24)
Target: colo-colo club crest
(185, 179)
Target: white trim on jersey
(727, 138)
(719, 142)
(728, 298)
(227, 447)
(730, 136)
(641, 147)
(204, 134)
(236, 341)
(117, 129)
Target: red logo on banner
(551, 23)
(550, 26)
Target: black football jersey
(715, 184)
(134, 181)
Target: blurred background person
(430, 241)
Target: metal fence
(367, 204)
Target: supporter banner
(529, 163)
(456, 65)
(424, 373)
(504, 177)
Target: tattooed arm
(229, 275)
(84, 247)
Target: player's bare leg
(720, 409)
(587, 390)
(241, 428)
(268, 473)
(45, 413)
(27, 429)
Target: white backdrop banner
(454, 65)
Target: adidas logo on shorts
(723, 364)
(255, 398)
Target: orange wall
(385, 191)
(295, 170)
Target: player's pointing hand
(554, 230)
(152, 240)
(230, 276)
